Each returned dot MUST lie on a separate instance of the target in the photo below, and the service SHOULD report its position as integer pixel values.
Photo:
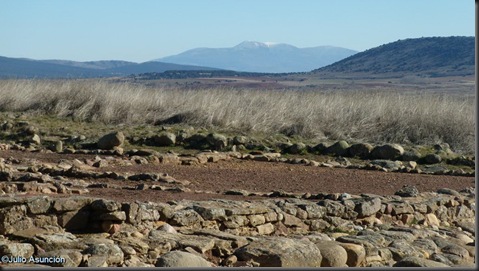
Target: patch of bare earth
(211, 180)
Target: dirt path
(258, 177)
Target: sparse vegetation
(431, 57)
(371, 116)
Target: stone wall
(226, 232)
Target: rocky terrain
(232, 203)
(430, 229)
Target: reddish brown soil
(258, 177)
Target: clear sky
(142, 30)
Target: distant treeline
(202, 74)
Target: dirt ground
(210, 180)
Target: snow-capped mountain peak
(271, 43)
(255, 56)
(251, 44)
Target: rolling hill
(430, 57)
(264, 57)
(28, 68)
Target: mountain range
(29, 68)
(429, 57)
(266, 57)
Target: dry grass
(371, 116)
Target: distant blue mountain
(253, 56)
(29, 68)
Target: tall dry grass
(371, 116)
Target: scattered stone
(333, 254)
(181, 259)
(435, 169)
(388, 165)
(110, 227)
(387, 152)
(55, 241)
(240, 140)
(96, 261)
(407, 191)
(238, 192)
(430, 220)
(265, 229)
(104, 205)
(356, 254)
(217, 141)
(432, 158)
(35, 139)
(109, 141)
(339, 148)
(165, 139)
(367, 206)
(448, 191)
(361, 150)
(418, 262)
(230, 261)
(70, 204)
(58, 146)
(411, 155)
(321, 147)
(186, 218)
(72, 257)
(24, 250)
(281, 252)
(462, 160)
(296, 148)
(112, 252)
(167, 228)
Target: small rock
(321, 147)
(24, 250)
(431, 220)
(35, 139)
(181, 259)
(230, 261)
(281, 252)
(407, 191)
(356, 254)
(110, 227)
(97, 261)
(432, 158)
(113, 216)
(418, 262)
(339, 148)
(165, 139)
(265, 229)
(167, 228)
(333, 255)
(389, 165)
(361, 150)
(388, 152)
(448, 191)
(411, 155)
(111, 140)
(296, 148)
(217, 141)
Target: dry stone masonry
(430, 229)
(46, 219)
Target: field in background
(375, 116)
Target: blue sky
(143, 30)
